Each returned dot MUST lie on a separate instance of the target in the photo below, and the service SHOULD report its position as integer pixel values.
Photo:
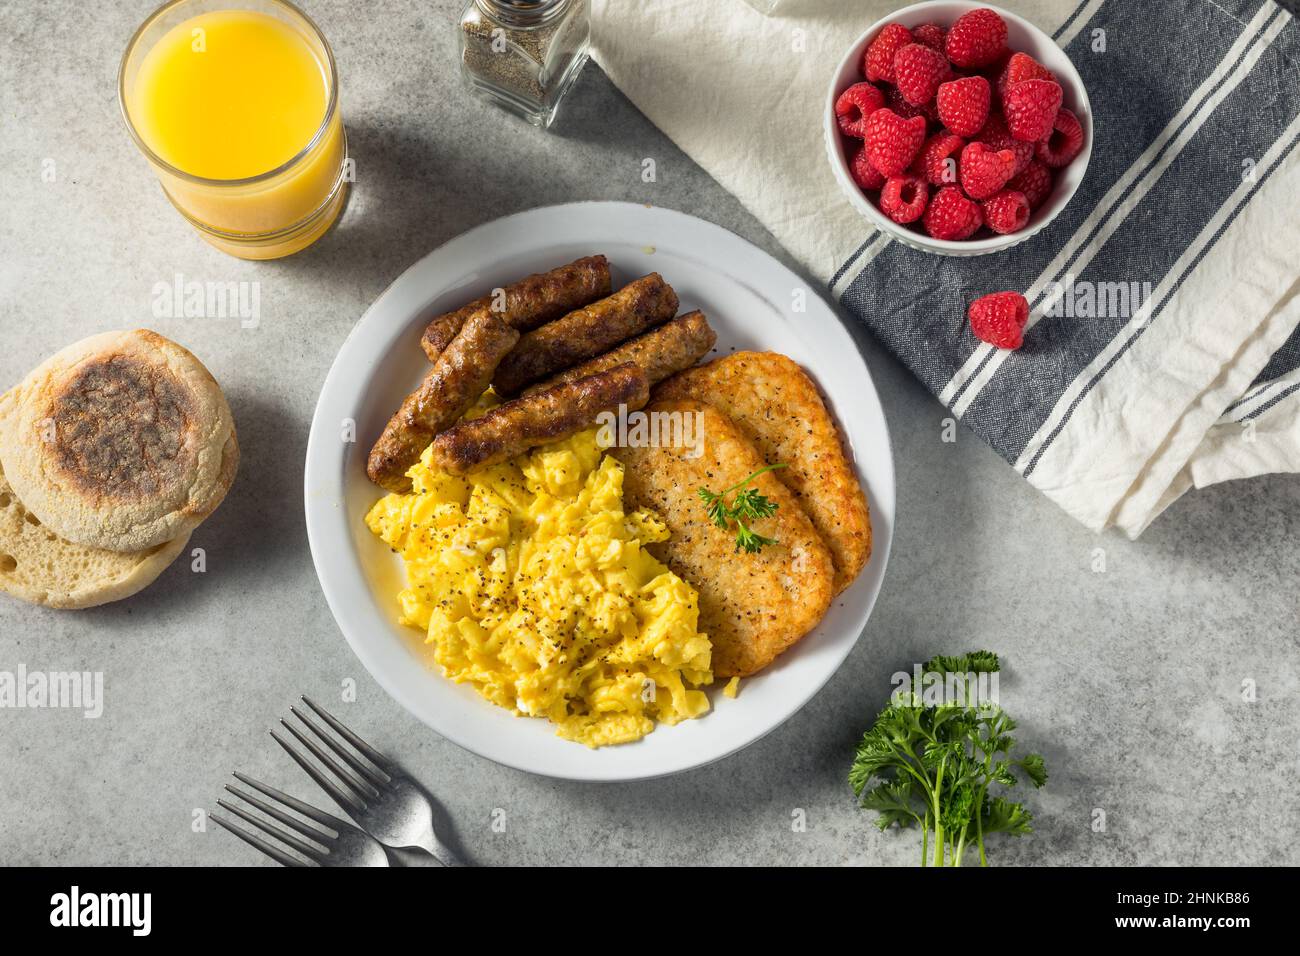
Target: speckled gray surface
(1129, 680)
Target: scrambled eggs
(534, 586)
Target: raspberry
(919, 70)
(878, 62)
(892, 142)
(864, 174)
(1064, 142)
(1021, 67)
(1030, 107)
(1006, 211)
(978, 38)
(999, 319)
(904, 197)
(937, 161)
(996, 136)
(855, 104)
(984, 171)
(931, 34)
(1035, 181)
(907, 110)
(964, 105)
(950, 215)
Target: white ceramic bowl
(1023, 37)
(752, 302)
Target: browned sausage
(547, 416)
(662, 352)
(586, 333)
(528, 303)
(458, 378)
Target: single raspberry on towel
(854, 106)
(1035, 181)
(919, 71)
(999, 319)
(893, 142)
(864, 174)
(984, 171)
(1064, 142)
(904, 197)
(1006, 211)
(964, 104)
(878, 62)
(978, 38)
(996, 136)
(950, 215)
(937, 161)
(931, 34)
(1021, 67)
(1030, 107)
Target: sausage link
(586, 333)
(461, 374)
(661, 352)
(547, 416)
(528, 303)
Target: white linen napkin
(1191, 188)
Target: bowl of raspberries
(957, 128)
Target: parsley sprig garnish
(933, 764)
(746, 505)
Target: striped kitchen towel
(1163, 351)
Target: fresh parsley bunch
(934, 765)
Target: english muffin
(778, 408)
(753, 606)
(121, 441)
(39, 567)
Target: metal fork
(346, 846)
(376, 794)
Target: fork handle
(431, 845)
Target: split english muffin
(122, 441)
(39, 567)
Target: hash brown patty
(778, 408)
(752, 606)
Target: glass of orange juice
(235, 103)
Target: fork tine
(362, 789)
(310, 832)
(255, 841)
(366, 773)
(293, 803)
(311, 852)
(369, 752)
(345, 800)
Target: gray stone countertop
(1130, 681)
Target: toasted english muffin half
(39, 567)
(121, 441)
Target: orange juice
(237, 110)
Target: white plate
(749, 298)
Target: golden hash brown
(778, 408)
(752, 606)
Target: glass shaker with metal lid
(524, 54)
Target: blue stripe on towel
(1284, 361)
(1156, 312)
(1065, 25)
(1145, 247)
(916, 303)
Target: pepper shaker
(524, 55)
